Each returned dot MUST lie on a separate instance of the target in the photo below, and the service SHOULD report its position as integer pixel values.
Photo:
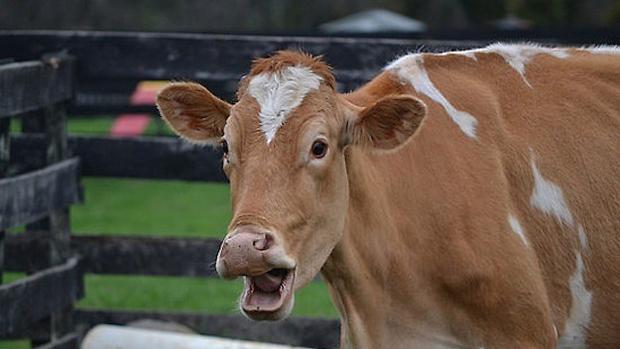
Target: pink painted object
(134, 125)
(130, 125)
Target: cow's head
(284, 147)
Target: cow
(466, 199)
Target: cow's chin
(269, 296)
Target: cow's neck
(359, 270)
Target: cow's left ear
(385, 124)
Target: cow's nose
(247, 240)
(243, 252)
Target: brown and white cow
(458, 200)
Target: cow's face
(284, 147)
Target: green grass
(213, 296)
(171, 208)
(157, 127)
(167, 208)
(90, 125)
(15, 344)
(10, 277)
(81, 125)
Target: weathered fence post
(5, 150)
(59, 224)
(52, 122)
(40, 305)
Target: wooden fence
(39, 306)
(44, 180)
(110, 64)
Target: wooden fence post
(59, 223)
(5, 150)
(34, 122)
(52, 122)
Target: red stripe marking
(130, 125)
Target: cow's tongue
(266, 292)
(269, 282)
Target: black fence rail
(145, 157)
(110, 64)
(121, 255)
(37, 92)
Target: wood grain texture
(33, 195)
(120, 255)
(147, 157)
(27, 86)
(39, 295)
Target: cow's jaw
(268, 296)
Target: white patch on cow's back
(517, 228)
(411, 69)
(471, 54)
(602, 50)
(549, 198)
(575, 330)
(580, 315)
(583, 239)
(279, 93)
(518, 56)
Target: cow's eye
(319, 149)
(224, 145)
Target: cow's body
(525, 214)
(496, 225)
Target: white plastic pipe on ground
(119, 337)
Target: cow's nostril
(263, 243)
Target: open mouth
(268, 293)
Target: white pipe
(119, 337)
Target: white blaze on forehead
(517, 228)
(549, 198)
(411, 69)
(518, 56)
(279, 93)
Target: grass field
(162, 208)
(171, 208)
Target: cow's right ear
(385, 124)
(193, 112)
